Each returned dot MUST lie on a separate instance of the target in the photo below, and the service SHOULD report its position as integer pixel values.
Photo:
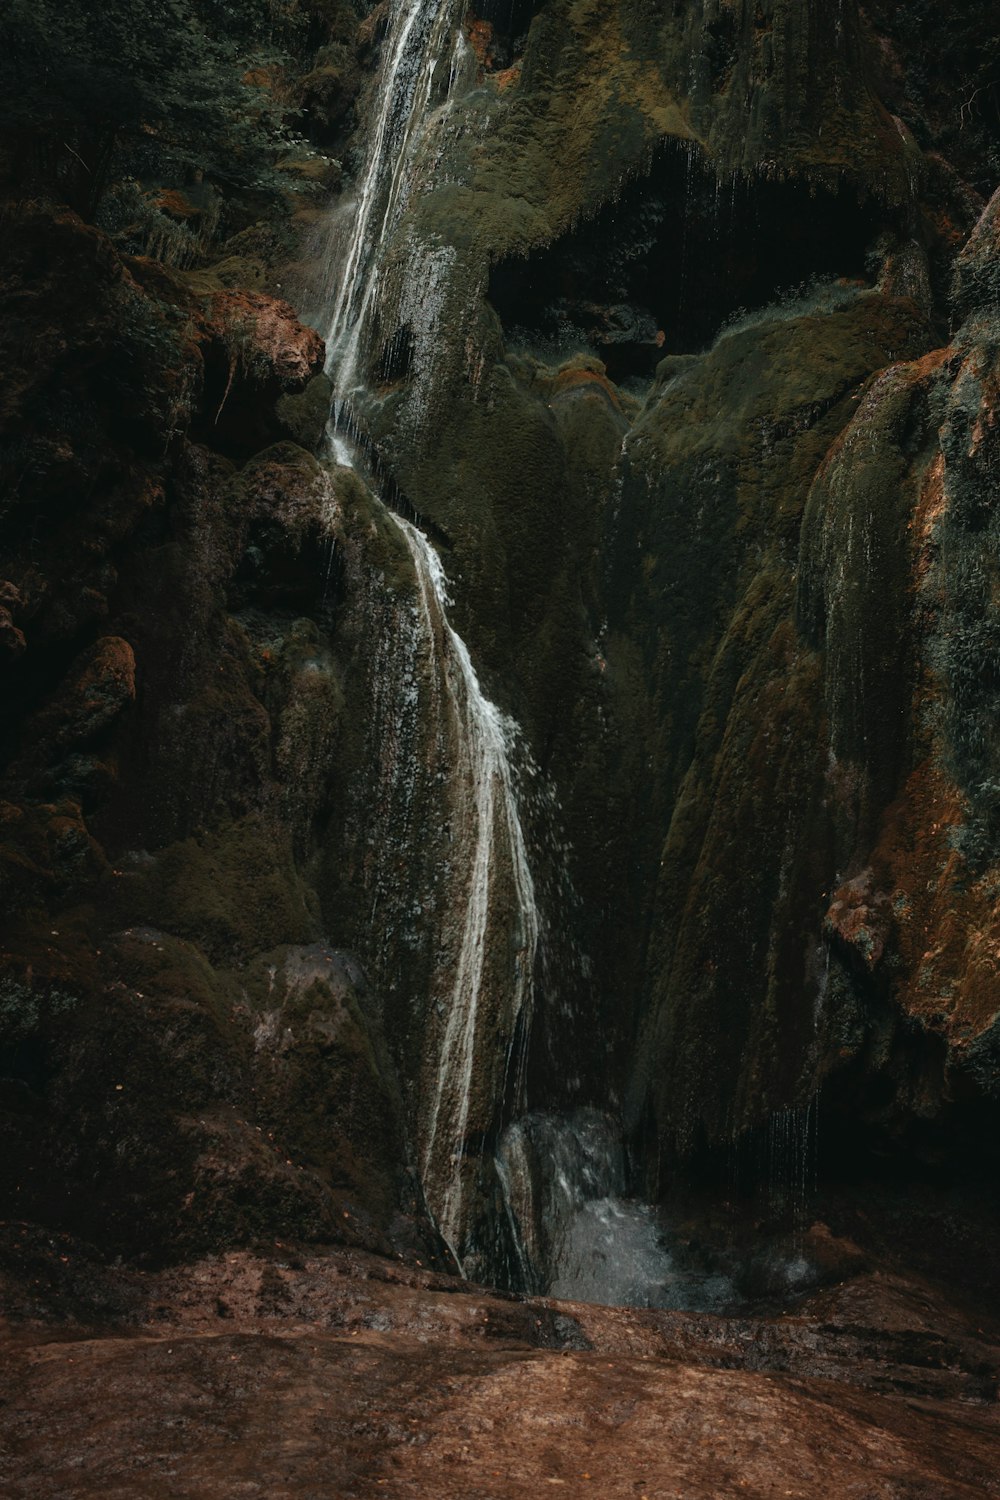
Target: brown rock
(860, 917)
(100, 685)
(11, 639)
(268, 338)
(372, 28)
(481, 41)
(337, 1374)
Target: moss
(324, 1080)
(718, 472)
(367, 521)
(26, 1008)
(234, 891)
(329, 89)
(965, 584)
(855, 589)
(305, 416)
(313, 170)
(976, 282)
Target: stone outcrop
(167, 985)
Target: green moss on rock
(234, 891)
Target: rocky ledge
(322, 1373)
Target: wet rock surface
(326, 1372)
(168, 983)
(682, 364)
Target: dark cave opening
(679, 254)
(509, 21)
(508, 17)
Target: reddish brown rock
(268, 337)
(12, 641)
(338, 1374)
(947, 927)
(254, 353)
(586, 376)
(481, 41)
(373, 27)
(860, 917)
(100, 685)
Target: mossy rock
(304, 417)
(324, 1079)
(234, 892)
(976, 285)
(312, 169)
(329, 89)
(718, 478)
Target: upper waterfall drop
(415, 45)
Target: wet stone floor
(326, 1376)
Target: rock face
(167, 986)
(682, 359)
(685, 358)
(719, 605)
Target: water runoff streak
(487, 811)
(486, 938)
(417, 39)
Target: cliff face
(716, 601)
(686, 360)
(184, 1055)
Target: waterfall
(579, 1235)
(482, 791)
(414, 45)
(479, 913)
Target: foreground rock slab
(328, 1377)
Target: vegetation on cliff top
(150, 118)
(87, 87)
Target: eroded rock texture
(294, 1373)
(685, 358)
(187, 1060)
(713, 561)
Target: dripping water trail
(416, 40)
(483, 785)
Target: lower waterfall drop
(483, 785)
(579, 1235)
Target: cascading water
(578, 1233)
(416, 42)
(482, 789)
(453, 925)
(481, 918)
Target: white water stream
(579, 1234)
(444, 797)
(482, 792)
(416, 42)
(486, 939)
